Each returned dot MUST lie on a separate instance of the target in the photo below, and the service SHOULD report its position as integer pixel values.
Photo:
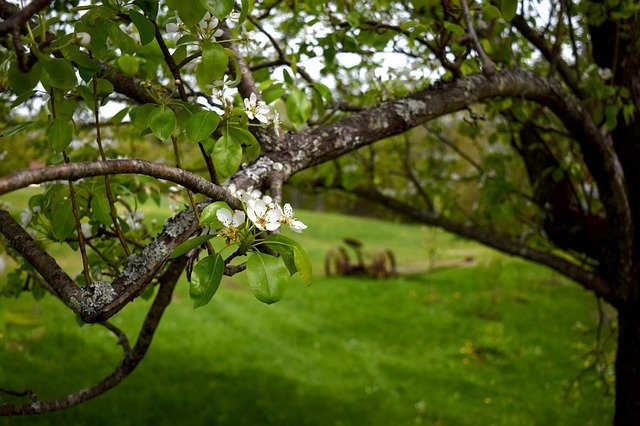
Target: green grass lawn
(494, 343)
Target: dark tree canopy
(512, 123)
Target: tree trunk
(628, 366)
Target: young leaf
(298, 107)
(189, 245)
(20, 82)
(60, 133)
(227, 155)
(208, 215)
(140, 115)
(212, 66)
(163, 122)
(218, 8)
(62, 220)
(14, 130)
(293, 254)
(267, 277)
(205, 279)
(128, 65)
(100, 207)
(189, 11)
(201, 125)
(509, 8)
(61, 73)
(145, 27)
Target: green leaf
(249, 143)
(60, 133)
(189, 245)
(244, 11)
(63, 222)
(145, 27)
(23, 98)
(205, 279)
(490, 12)
(293, 254)
(128, 65)
(267, 277)
(218, 8)
(208, 216)
(227, 155)
(61, 73)
(509, 8)
(140, 115)
(163, 122)
(87, 67)
(118, 37)
(273, 92)
(298, 107)
(100, 208)
(212, 66)
(23, 82)
(454, 28)
(201, 125)
(189, 11)
(119, 116)
(149, 7)
(19, 128)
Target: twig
(488, 67)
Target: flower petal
(224, 216)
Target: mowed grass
(495, 342)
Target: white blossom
(234, 17)
(82, 38)
(288, 218)
(26, 216)
(256, 109)
(2, 264)
(135, 220)
(262, 216)
(207, 27)
(230, 220)
(85, 228)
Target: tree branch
(488, 67)
(101, 300)
(130, 361)
(505, 243)
(75, 171)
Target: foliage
(512, 123)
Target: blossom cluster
(259, 110)
(263, 212)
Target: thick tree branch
(505, 243)
(74, 171)
(100, 300)
(316, 146)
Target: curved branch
(316, 146)
(588, 279)
(100, 300)
(14, 21)
(130, 361)
(74, 171)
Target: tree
(511, 123)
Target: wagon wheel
(383, 265)
(336, 262)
